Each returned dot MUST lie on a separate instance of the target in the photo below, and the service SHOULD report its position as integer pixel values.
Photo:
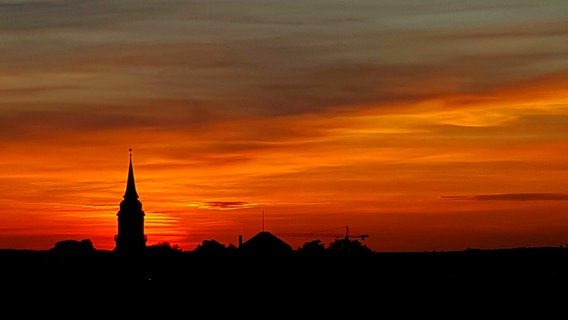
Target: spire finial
(130, 185)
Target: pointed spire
(130, 185)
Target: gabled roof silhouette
(265, 243)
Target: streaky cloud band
(511, 197)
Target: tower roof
(130, 192)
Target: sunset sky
(428, 125)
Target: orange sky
(427, 127)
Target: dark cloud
(266, 58)
(72, 14)
(226, 204)
(31, 121)
(271, 58)
(43, 124)
(511, 197)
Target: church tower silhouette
(130, 239)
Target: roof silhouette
(265, 243)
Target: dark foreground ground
(472, 282)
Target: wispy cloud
(270, 59)
(511, 197)
(221, 205)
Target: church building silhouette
(130, 239)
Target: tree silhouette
(347, 246)
(313, 247)
(73, 247)
(210, 247)
(164, 247)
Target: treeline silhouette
(345, 271)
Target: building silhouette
(130, 239)
(265, 243)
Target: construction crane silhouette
(345, 236)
